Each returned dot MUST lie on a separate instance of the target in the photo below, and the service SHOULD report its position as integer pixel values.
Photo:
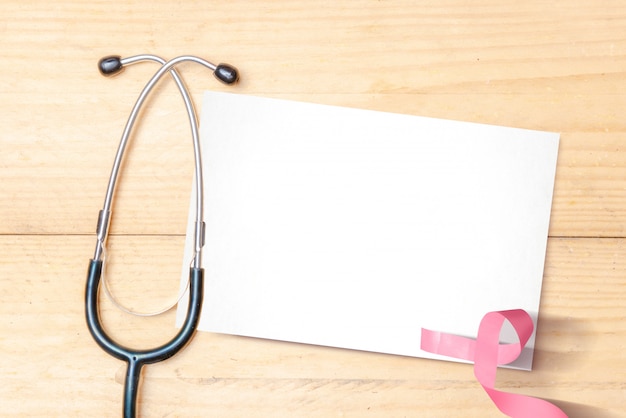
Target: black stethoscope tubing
(136, 359)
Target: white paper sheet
(353, 228)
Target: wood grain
(556, 66)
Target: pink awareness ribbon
(486, 352)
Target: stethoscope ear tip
(226, 73)
(110, 65)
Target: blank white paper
(354, 228)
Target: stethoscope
(135, 358)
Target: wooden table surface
(547, 65)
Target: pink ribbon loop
(487, 353)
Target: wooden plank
(534, 66)
(578, 356)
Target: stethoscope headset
(137, 358)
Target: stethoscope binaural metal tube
(105, 214)
(136, 359)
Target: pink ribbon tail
(487, 353)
